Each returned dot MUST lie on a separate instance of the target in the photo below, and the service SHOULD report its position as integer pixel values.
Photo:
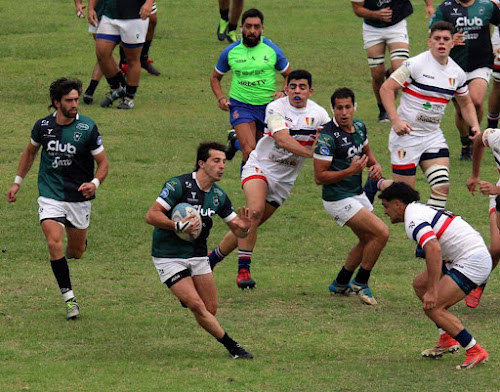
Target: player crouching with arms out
(342, 153)
(443, 236)
(183, 265)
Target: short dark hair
(63, 86)
(442, 26)
(300, 74)
(203, 152)
(400, 191)
(252, 13)
(341, 93)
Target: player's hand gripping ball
(181, 211)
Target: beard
(250, 42)
(68, 114)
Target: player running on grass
(341, 154)
(66, 181)
(443, 236)
(272, 168)
(183, 266)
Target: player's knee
(400, 54)
(54, 245)
(439, 181)
(383, 234)
(197, 307)
(211, 308)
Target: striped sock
(244, 259)
(215, 257)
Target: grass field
(133, 335)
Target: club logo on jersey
(323, 150)
(266, 59)
(216, 201)
(44, 123)
(310, 121)
(188, 185)
(164, 193)
(82, 127)
(463, 21)
(99, 140)
(411, 225)
(401, 154)
(452, 82)
(56, 146)
(77, 136)
(427, 106)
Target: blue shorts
(462, 281)
(240, 112)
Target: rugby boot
(337, 288)
(363, 292)
(472, 299)
(112, 96)
(244, 279)
(231, 149)
(445, 345)
(126, 103)
(148, 66)
(222, 29)
(238, 352)
(474, 356)
(72, 310)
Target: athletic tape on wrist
(96, 182)
(18, 180)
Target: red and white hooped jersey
(456, 237)
(428, 86)
(302, 123)
(491, 139)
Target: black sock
(122, 80)
(227, 341)
(381, 108)
(61, 272)
(362, 276)
(231, 27)
(115, 81)
(344, 276)
(92, 86)
(224, 14)
(145, 51)
(465, 141)
(130, 91)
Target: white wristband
(96, 182)
(18, 180)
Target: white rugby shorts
(343, 210)
(277, 192)
(408, 149)
(480, 73)
(77, 213)
(131, 31)
(390, 35)
(168, 267)
(476, 267)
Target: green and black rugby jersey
(67, 158)
(122, 9)
(401, 9)
(340, 147)
(474, 21)
(185, 189)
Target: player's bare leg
(376, 62)
(247, 134)
(76, 242)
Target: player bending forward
(183, 266)
(443, 236)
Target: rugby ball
(179, 212)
